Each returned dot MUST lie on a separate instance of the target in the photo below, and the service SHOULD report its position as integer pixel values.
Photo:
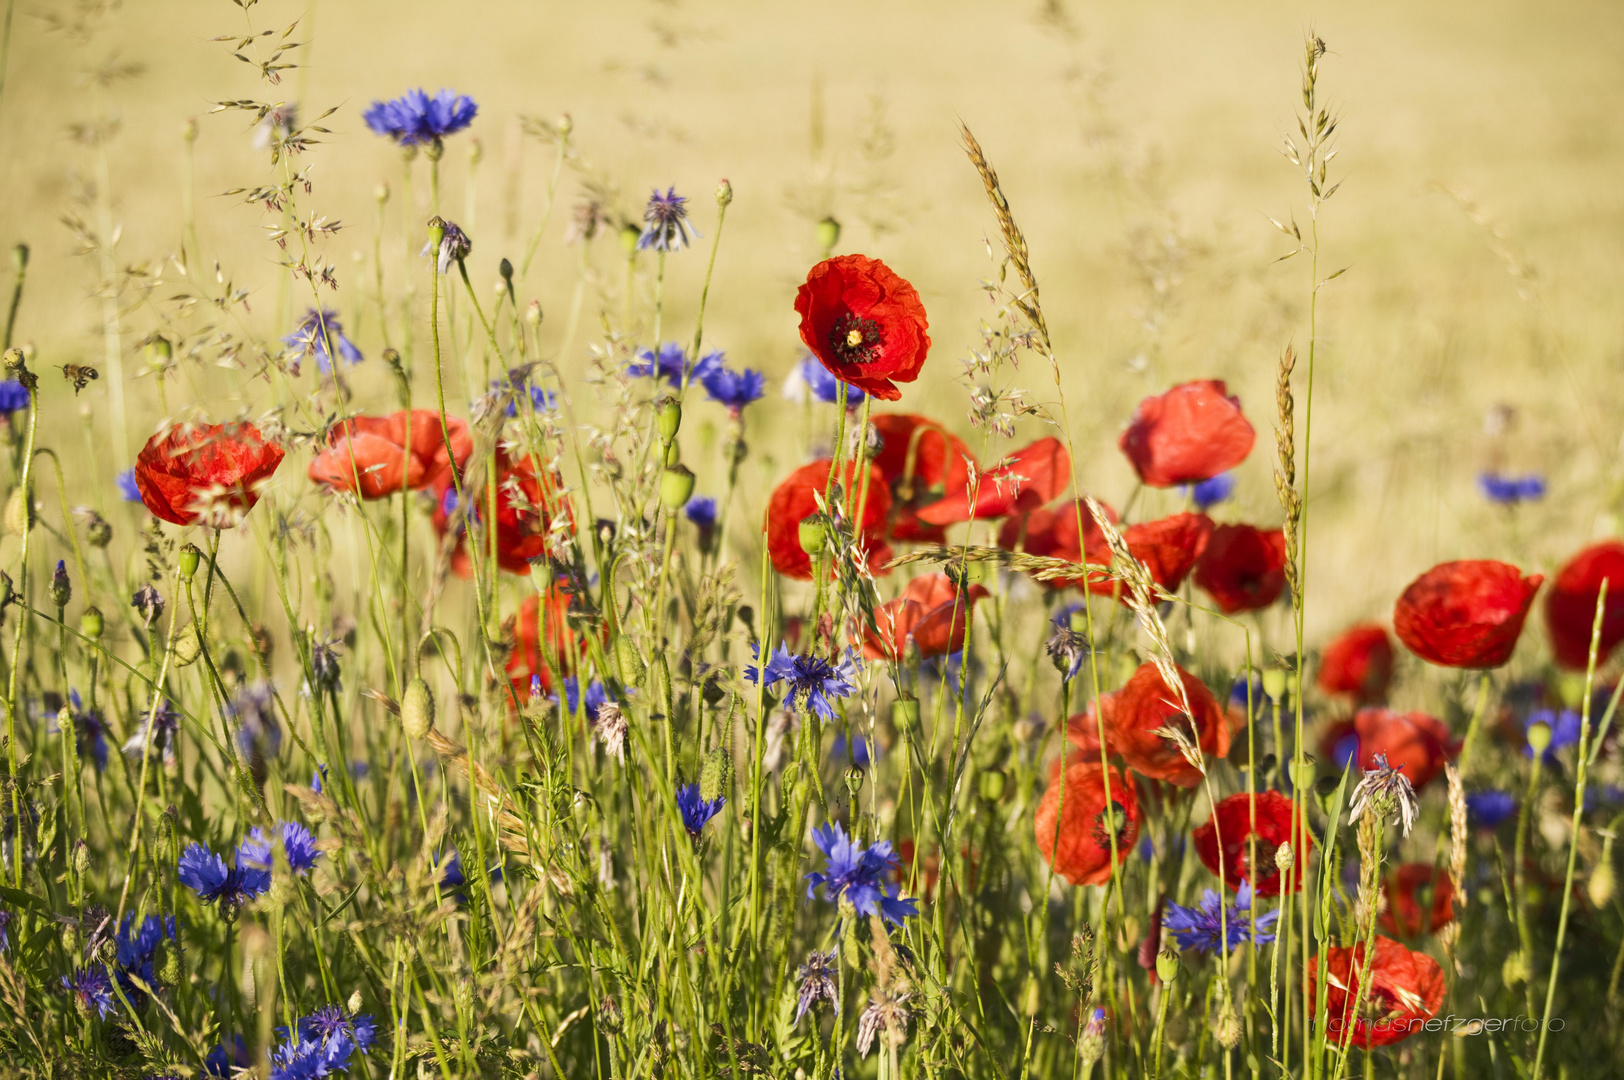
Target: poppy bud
(90, 623)
(61, 587)
(905, 715)
(673, 454)
(828, 233)
(171, 965)
(1539, 737)
(1283, 857)
(1602, 880)
(381, 193)
(811, 535)
(667, 419)
(97, 530)
(19, 258)
(1515, 970)
(190, 555)
(990, 786)
(630, 234)
(632, 668)
(724, 192)
(505, 268)
(159, 351)
(676, 487)
(716, 775)
(436, 231)
(564, 125)
(417, 709)
(1167, 965)
(19, 514)
(188, 645)
(1274, 683)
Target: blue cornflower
(1564, 727)
(701, 510)
(13, 396)
(223, 1060)
(89, 730)
(859, 875)
(814, 683)
(671, 362)
(735, 389)
(1199, 928)
(1602, 795)
(128, 489)
(1487, 809)
(541, 399)
(415, 118)
(453, 877)
(312, 337)
(1209, 493)
(138, 946)
(811, 376)
(697, 811)
(164, 724)
(666, 220)
(300, 847)
(5, 923)
(92, 989)
(858, 750)
(1067, 647)
(1243, 694)
(205, 873)
(595, 695)
(305, 1059)
(259, 732)
(1511, 490)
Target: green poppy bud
(417, 709)
(991, 784)
(905, 715)
(811, 535)
(632, 668)
(828, 233)
(716, 775)
(1539, 737)
(1274, 683)
(630, 234)
(1167, 965)
(676, 487)
(667, 418)
(188, 645)
(854, 781)
(91, 624)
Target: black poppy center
(856, 340)
(1265, 860)
(1112, 820)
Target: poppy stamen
(856, 340)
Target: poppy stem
(1477, 718)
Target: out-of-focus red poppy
(922, 463)
(1416, 744)
(1083, 729)
(1083, 853)
(864, 323)
(923, 884)
(528, 501)
(1232, 821)
(1023, 482)
(1465, 614)
(1405, 990)
(374, 448)
(1358, 663)
(535, 631)
(1052, 531)
(1191, 433)
(1169, 547)
(1570, 605)
(1243, 568)
(1144, 706)
(211, 473)
(796, 498)
(931, 610)
(1406, 887)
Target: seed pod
(188, 646)
(676, 487)
(716, 775)
(990, 786)
(190, 554)
(1274, 683)
(828, 233)
(417, 709)
(667, 419)
(632, 668)
(811, 535)
(1602, 883)
(91, 623)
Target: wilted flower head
(859, 876)
(1067, 647)
(1204, 927)
(89, 729)
(163, 723)
(148, 603)
(666, 226)
(887, 1011)
(610, 728)
(814, 683)
(317, 335)
(324, 654)
(817, 981)
(415, 118)
(584, 221)
(1385, 790)
(259, 731)
(454, 245)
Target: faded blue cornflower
(817, 979)
(5, 925)
(1067, 648)
(671, 362)
(1209, 493)
(13, 396)
(1487, 809)
(858, 750)
(518, 386)
(228, 1057)
(859, 876)
(735, 389)
(92, 990)
(414, 118)
(164, 725)
(259, 731)
(255, 850)
(1511, 490)
(596, 695)
(666, 225)
(1384, 791)
(128, 489)
(206, 874)
(313, 336)
(697, 811)
(812, 377)
(814, 683)
(454, 246)
(701, 510)
(1199, 927)
(138, 947)
(89, 730)
(1564, 727)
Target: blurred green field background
(1138, 144)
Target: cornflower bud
(1091, 1043)
(676, 487)
(190, 556)
(91, 624)
(97, 530)
(532, 314)
(61, 587)
(417, 709)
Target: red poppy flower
(1405, 990)
(864, 323)
(1144, 706)
(1083, 729)
(374, 449)
(1232, 821)
(1358, 663)
(1052, 532)
(921, 462)
(528, 501)
(1169, 548)
(1570, 605)
(1243, 568)
(796, 498)
(1405, 888)
(1416, 744)
(1083, 854)
(1191, 433)
(931, 610)
(210, 472)
(1465, 614)
(526, 630)
(1023, 482)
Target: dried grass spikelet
(511, 833)
(1457, 835)
(1285, 472)
(1015, 249)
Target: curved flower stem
(12, 687)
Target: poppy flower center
(1112, 821)
(1265, 859)
(855, 340)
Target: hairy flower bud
(716, 775)
(91, 623)
(1539, 737)
(61, 587)
(97, 530)
(905, 715)
(632, 668)
(828, 233)
(676, 487)
(724, 192)
(1091, 1043)
(990, 785)
(417, 709)
(811, 535)
(19, 512)
(667, 419)
(188, 645)
(190, 556)
(1167, 965)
